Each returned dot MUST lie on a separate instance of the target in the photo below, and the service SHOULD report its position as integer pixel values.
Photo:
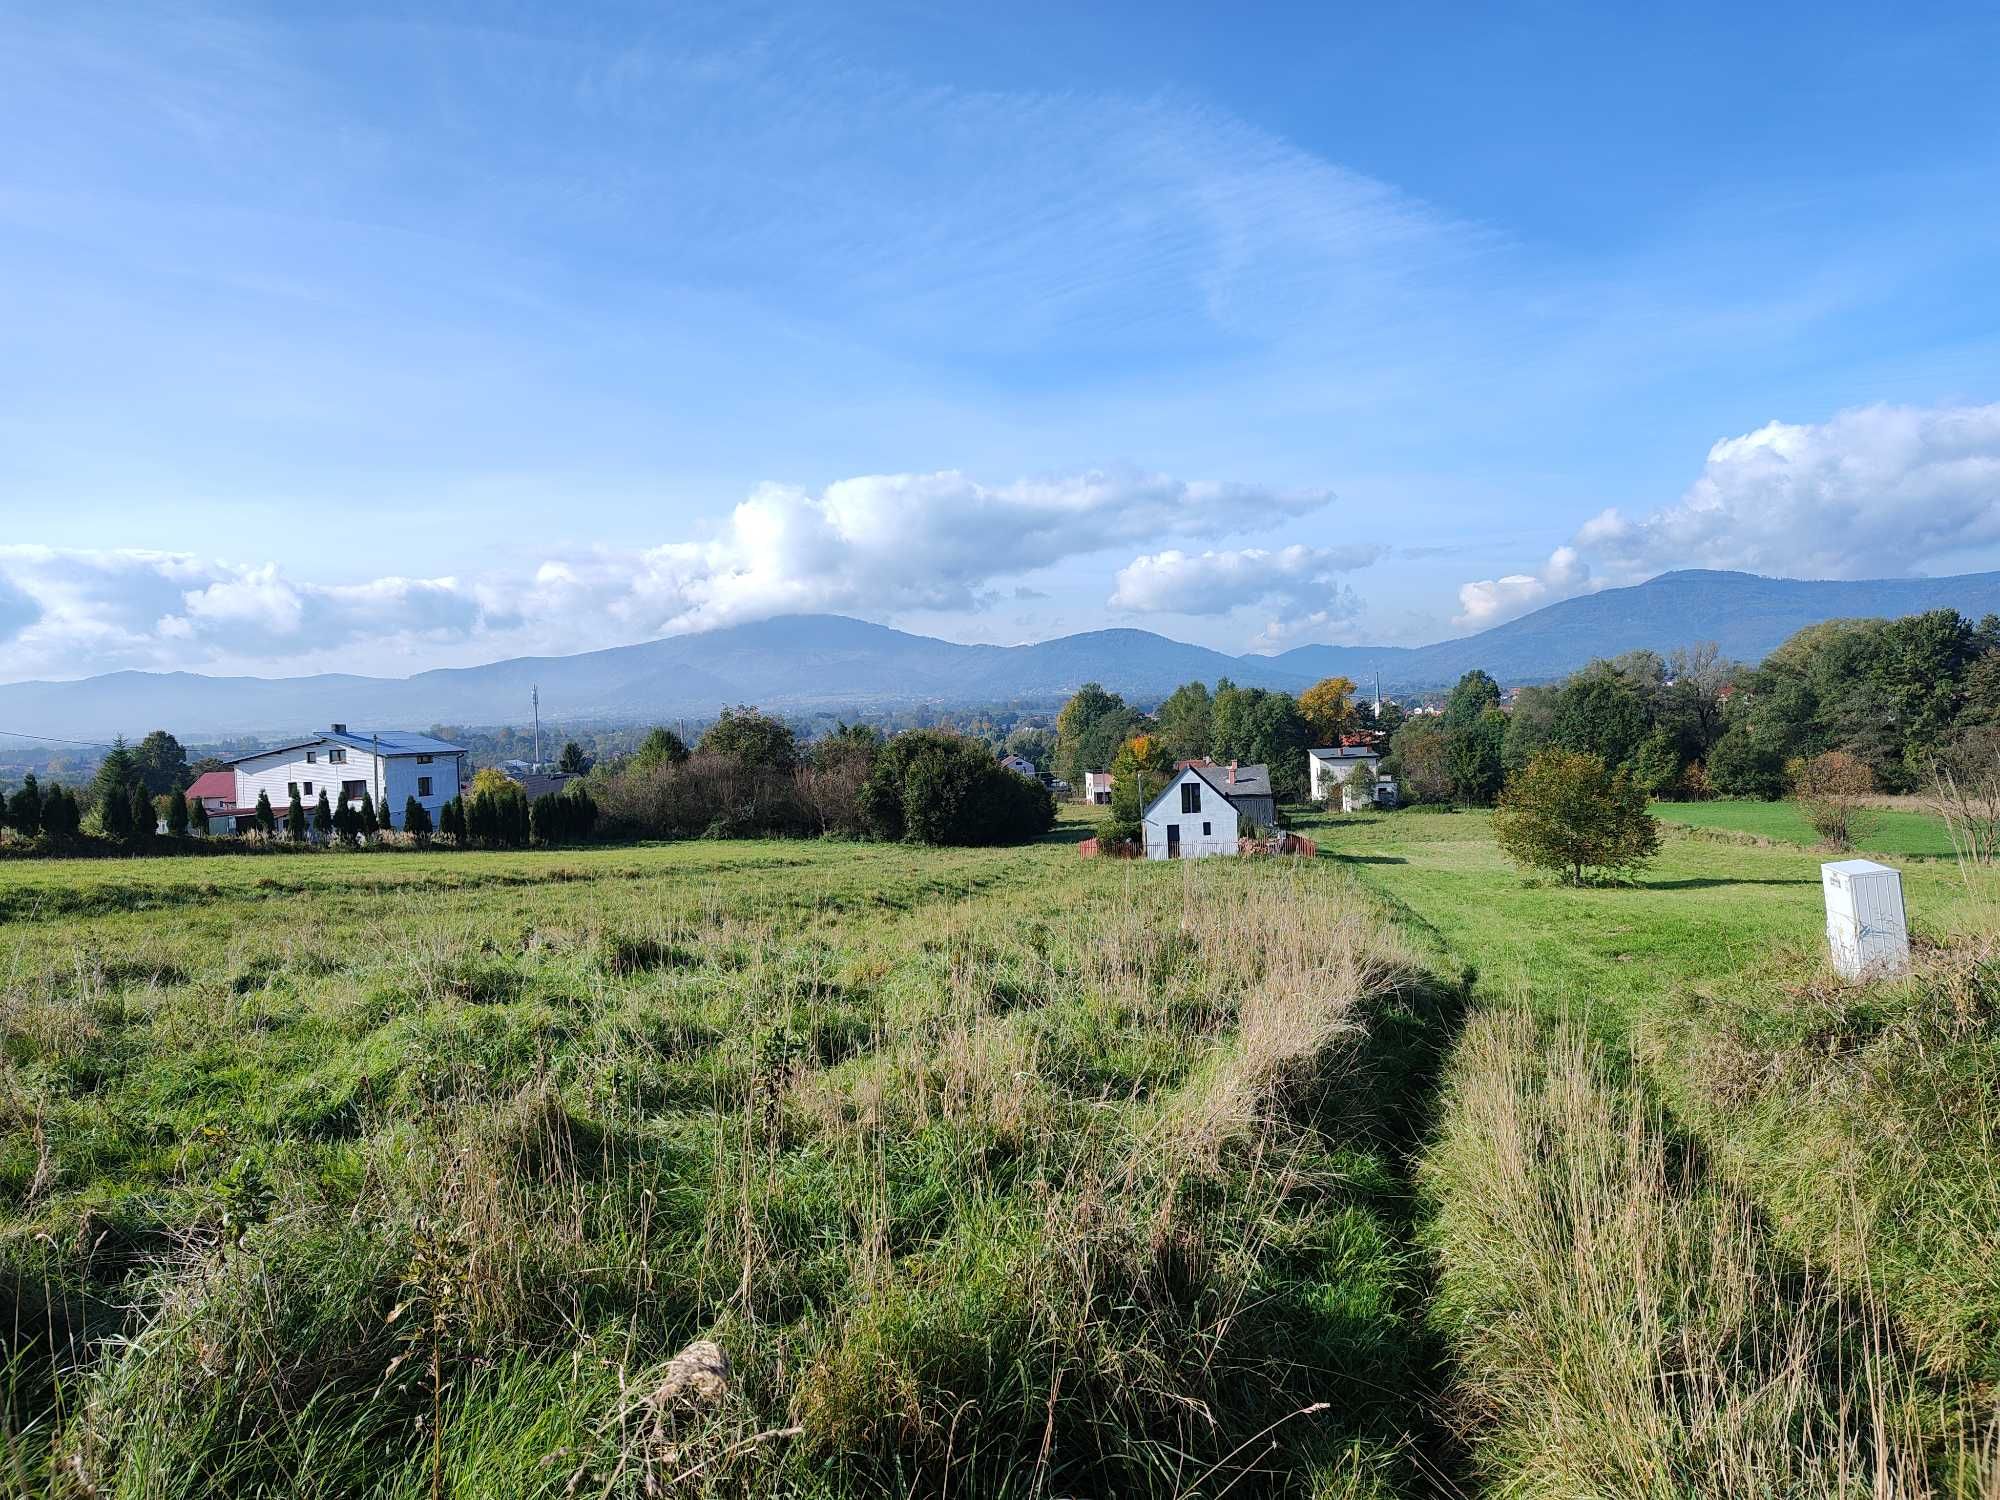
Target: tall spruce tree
(266, 819)
(60, 815)
(145, 816)
(322, 816)
(24, 810)
(177, 815)
(114, 811)
(295, 819)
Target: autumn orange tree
(1328, 706)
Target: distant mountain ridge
(801, 663)
(1746, 615)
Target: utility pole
(1378, 697)
(537, 691)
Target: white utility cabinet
(1865, 925)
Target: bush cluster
(748, 777)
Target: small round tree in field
(1829, 790)
(1567, 813)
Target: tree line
(1250, 725)
(1892, 697)
(748, 776)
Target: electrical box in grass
(1865, 926)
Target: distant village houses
(1097, 787)
(1020, 766)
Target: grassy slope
(1888, 831)
(996, 1170)
(1860, 1123)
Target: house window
(309, 788)
(292, 789)
(353, 791)
(423, 786)
(1204, 830)
(423, 760)
(336, 757)
(1190, 796)
(312, 757)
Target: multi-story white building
(1332, 765)
(389, 765)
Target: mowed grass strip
(995, 1173)
(1887, 831)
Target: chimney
(1232, 773)
(340, 729)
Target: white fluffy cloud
(1488, 601)
(876, 544)
(1301, 584)
(1874, 492)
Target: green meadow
(1888, 831)
(994, 1172)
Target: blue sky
(379, 338)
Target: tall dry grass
(1622, 1325)
(985, 1181)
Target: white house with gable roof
(1206, 808)
(389, 765)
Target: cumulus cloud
(1300, 584)
(877, 544)
(1874, 492)
(1488, 601)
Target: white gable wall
(1212, 830)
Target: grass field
(1889, 830)
(992, 1173)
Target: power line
(51, 739)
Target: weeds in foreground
(1074, 1190)
(1624, 1326)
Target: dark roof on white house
(389, 742)
(1345, 752)
(1251, 781)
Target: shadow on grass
(1710, 881)
(1371, 859)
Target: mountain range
(802, 663)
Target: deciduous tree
(1829, 790)
(1568, 813)
(1328, 708)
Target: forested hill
(805, 663)
(1745, 615)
